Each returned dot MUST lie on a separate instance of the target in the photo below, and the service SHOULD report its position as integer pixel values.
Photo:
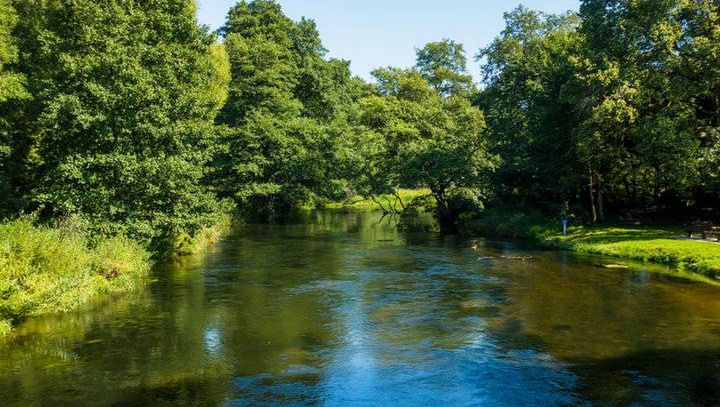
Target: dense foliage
(288, 106)
(121, 121)
(132, 116)
(11, 90)
(616, 108)
(422, 139)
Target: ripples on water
(340, 310)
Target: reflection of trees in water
(426, 294)
(655, 377)
(630, 339)
(149, 345)
(284, 312)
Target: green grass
(387, 201)
(656, 245)
(47, 270)
(662, 245)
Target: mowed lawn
(653, 244)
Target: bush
(57, 269)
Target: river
(340, 309)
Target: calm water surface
(339, 309)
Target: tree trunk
(446, 216)
(593, 211)
(600, 198)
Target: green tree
(655, 49)
(287, 108)
(530, 118)
(12, 88)
(428, 141)
(444, 65)
(126, 93)
(615, 107)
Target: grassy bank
(53, 270)
(46, 270)
(662, 245)
(389, 201)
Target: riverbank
(389, 202)
(46, 270)
(661, 245)
(52, 270)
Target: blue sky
(375, 33)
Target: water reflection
(340, 309)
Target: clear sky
(375, 33)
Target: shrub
(47, 269)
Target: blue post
(565, 226)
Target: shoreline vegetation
(664, 245)
(58, 269)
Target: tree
(444, 65)
(654, 48)
(285, 113)
(12, 88)
(429, 141)
(530, 117)
(613, 107)
(125, 98)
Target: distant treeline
(130, 115)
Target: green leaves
(444, 65)
(427, 140)
(12, 89)
(286, 111)
(125, 98)
(530, 117)
(613, 96)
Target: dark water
(341, 310)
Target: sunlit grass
(53, 270)
(657, 245)
(384, 201)
(662, 245)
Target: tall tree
(126, 93)
(530, 119)
(12, 88)
(284, 111)
(444, 65)
(655, 48)
(428, 141)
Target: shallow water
(339, 309)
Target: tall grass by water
(57, 269)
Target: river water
(339, 309)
